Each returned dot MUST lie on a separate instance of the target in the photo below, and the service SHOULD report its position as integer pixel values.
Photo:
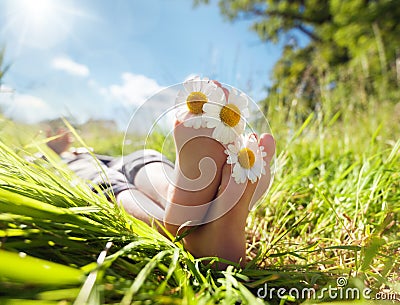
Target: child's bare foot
(224, 236)
(197, 176)
(60, 142)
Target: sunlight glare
(39, 24)
(37, 12)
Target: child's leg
(139, 205)
(149, 171)
(154, 180)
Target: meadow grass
(332, 211)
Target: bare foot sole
(225, 237)
(197, 176)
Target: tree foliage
(356, 41)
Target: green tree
(356, 38)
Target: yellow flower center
(230, 115)
(195, 102)
(246, 158)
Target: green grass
(332, 211)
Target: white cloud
(134, 90)
(24, 100)
(68, 65)
(6, 89)
(144, 102)
(26, 108)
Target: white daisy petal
(257, 169)
(239, 128)
(243, 177)
(232, 159)
(240, 100)
(209, 89)
(245, 112)
(252, 176)
(238, 174)
(212, 118)
(233, 148)
(218, 132)
(227, 136)
(262, 152)
(197, 123)
(181, 97)
(211, 123)
(188, 86)
(217, 96)
(181, 115)
(252, 143)
(211, 108)
(187, 123)
(231, 135)
(236, 170)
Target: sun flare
(38, 12)
(40, 23)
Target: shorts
(112, 175)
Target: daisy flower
(246, 157)
(228, 119)
(195, 94)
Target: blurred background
(101, 59)
(95, 62)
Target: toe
(268, 141)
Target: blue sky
(101, 59)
